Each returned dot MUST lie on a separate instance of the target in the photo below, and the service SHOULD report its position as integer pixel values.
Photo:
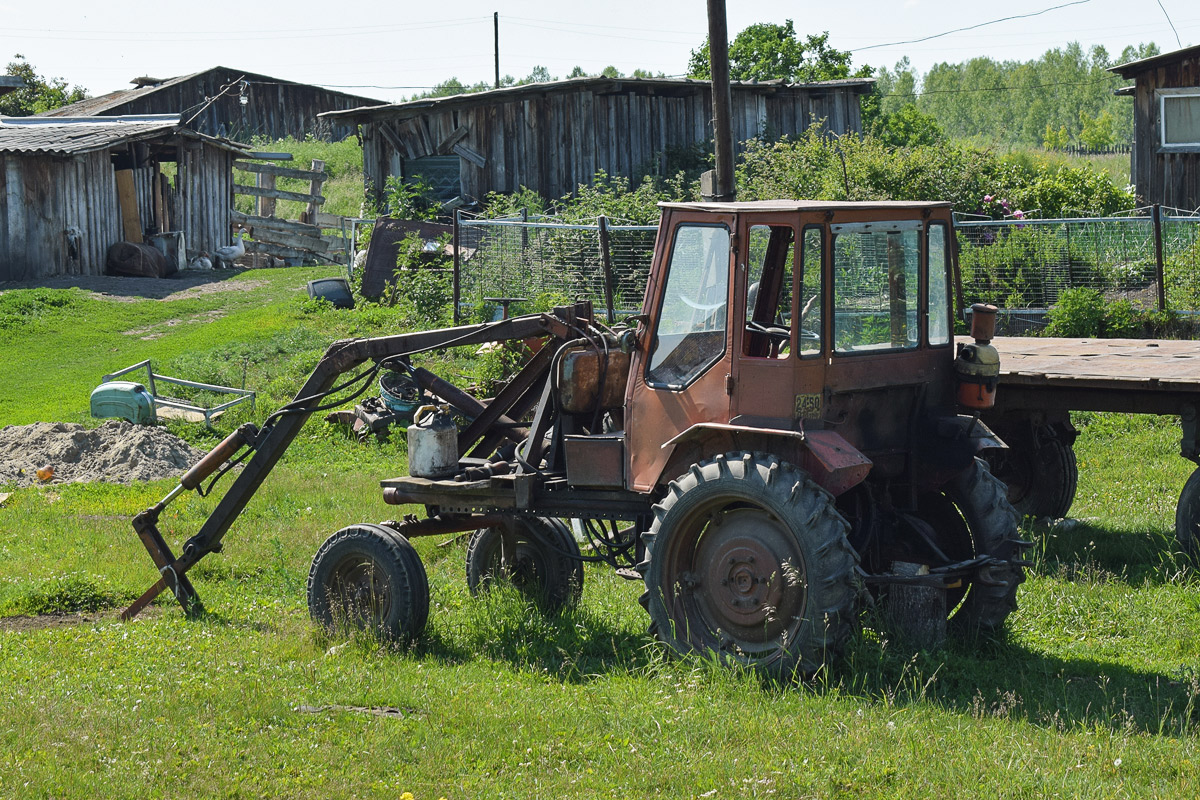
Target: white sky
(406, 46)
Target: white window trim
(1162, 95)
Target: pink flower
(987, 198)
(1019, 214)
(1005, 204)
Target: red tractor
(784, 431)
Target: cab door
(678, 377)
(778, 356)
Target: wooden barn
(1166, 127)
(228, 103)
(70, 188)
(552, 137)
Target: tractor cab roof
(806, 205)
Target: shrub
(1079, 313)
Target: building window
(1180, 114)
(440, 172)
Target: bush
(1078, 314)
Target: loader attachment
(263, 448)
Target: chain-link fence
(506, 261)
(1152, 260)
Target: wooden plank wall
(1170, 178)
(273, 109)
(204, 196)
(42, 199)
(556, 141)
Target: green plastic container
(124, 399)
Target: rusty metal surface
(1128, 364)
(579, 379)
(596, 460)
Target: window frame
(662, 298)
(926, 278)
(1162, 95)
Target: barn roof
(666, 87)
(10, 83)
(1135, 68)
(74, 136)
(107, 102)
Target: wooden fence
(295, 241)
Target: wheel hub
(749, 570)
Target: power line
(1001, 88)
(972, 27)
(1172, 24)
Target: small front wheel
(369, 577)
(539, 557)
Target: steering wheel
(775, 333)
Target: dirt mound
(116, 452)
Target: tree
(39, 94)
(766, 51)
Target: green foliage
(766, 51)
(39, 94)
(1078, 314)
(821, 167)
(18, 309)
(409, 199)
(1064, 95)
(423, 284)
(908, 127)
(613, 196)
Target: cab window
(690, 335)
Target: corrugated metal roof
(70, 136)
(664, 86)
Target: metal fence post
(606, 261)
(455, 280)
(1158, 258)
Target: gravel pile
(116, 452)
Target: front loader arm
(270, 443)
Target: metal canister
(978, 365)
(432, 443)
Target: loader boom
(270, 443)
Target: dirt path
(183, 285)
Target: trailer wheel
(1040, 471)
(972, 517)
(369, 577)
(544, 563)
(748, 560)
(1187, 518)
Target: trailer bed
(1143, 376)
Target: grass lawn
(1091, 692)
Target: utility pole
(496, 28)
(718, 184)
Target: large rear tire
(972, 517)
(747, 561)
(369, 577)
(1187, 519)
(1040, 471)
(541, 560)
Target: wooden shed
(229, 103)
(70, 188)
(1166, 127)
(552, 137)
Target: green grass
(1091, 692)
(342, 190)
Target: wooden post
(1158, 258)
(524, 229)
(314, 189)
(457, 286)
(266, 205)
(496, 28)
(160, 211)
(131, 221)
(718, 54)
(606, 260)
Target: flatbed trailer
(1043, 379)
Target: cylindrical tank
(978, 364)
(432, 443)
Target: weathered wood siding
(45, 201)
(558, 140)
(274, 109)
(1168, 177)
